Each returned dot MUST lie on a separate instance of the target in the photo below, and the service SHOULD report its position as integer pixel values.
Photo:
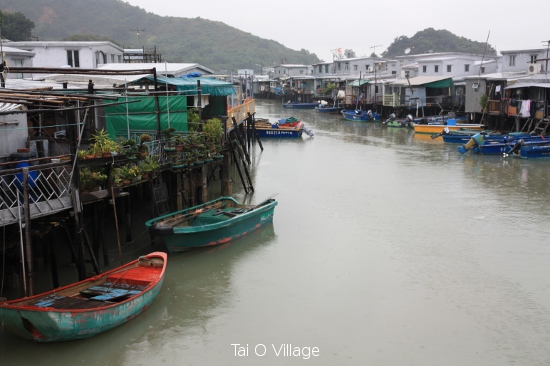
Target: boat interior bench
(212, 217)
(67, 302)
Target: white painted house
(15, 57)
(85, 55)
(531, 61)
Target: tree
(349, 53)
(16, 27)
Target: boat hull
(352, 115)
(300, 105)
(534, 152)
(295, 132)
(48, 324)
(434, 129)
(328, 109)
(211, 228)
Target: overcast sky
(322, 26)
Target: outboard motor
(391, 118)
(517, 146)
(476, 140)
(369, 114)
(308, 131)
(408, 120)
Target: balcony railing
(47, 190)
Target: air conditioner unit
(534, 68)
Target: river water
(387, 248)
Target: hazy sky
(322, 26)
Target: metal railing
(45, 187)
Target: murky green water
(386, 249)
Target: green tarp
(359, 82)
(446, 83)
(141, 115)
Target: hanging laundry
(526, 108)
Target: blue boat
(328, 109)
(323, 107)
(297, 105)
(530, 150)
(498, 144)
(360, 115)
(283, 128)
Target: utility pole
(375, 64)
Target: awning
(427, 81)
(359, 82)
(214, 87)
(528, 85)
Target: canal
(387, 248)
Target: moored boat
(283, 128)
(530, 150)
(438, 128)
(393, 121)
(359, 115)
(324, 107)
(216, 222)
(298, 105)
(88, 307)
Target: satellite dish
(407, 50)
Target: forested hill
(211, 44)
(431, 40)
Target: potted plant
(167, 135)
(129, 147)
(81, 154)
(103, 145)
(143, 148)
(213, 132)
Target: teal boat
(88, 307)
(216, 222)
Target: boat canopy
(211, 86)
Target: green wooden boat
(216, 222)
(88, 307)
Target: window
(18, 62)
(355, 67)
(72, 58)
(449, 68)
(424, 68)
(112, 58)
(320, 69)
(436, 68)
(483, 69)
(339, 66)
(533, 59)
(367, 67)
(466, 67)
(301, 72)
(512, 61)
(346, 66)
(326, 69)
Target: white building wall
(54, 54)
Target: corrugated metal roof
(5, 107)
(528, 85)
(209, 86)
